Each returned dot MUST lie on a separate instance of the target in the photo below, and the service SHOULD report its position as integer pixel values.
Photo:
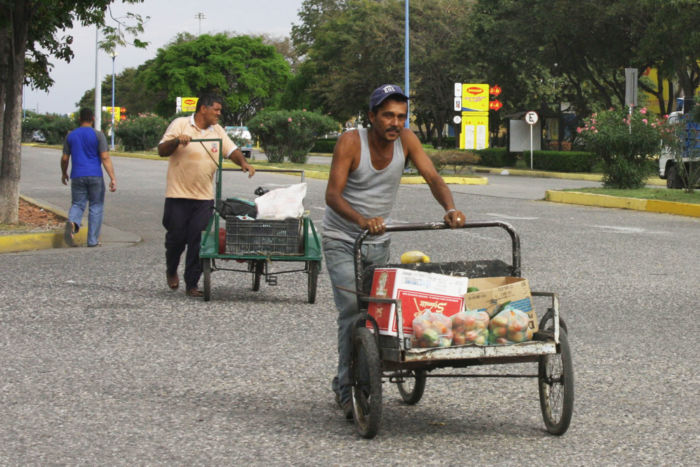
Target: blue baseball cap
(382, 92)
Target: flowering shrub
(626, 154)
(290, 134)
(141, 132)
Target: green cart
(233, 242)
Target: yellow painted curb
(681, 209)
(13, 243)
(413, 180)
(606, 201)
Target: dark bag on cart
(236, 207)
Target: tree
(131, 92)
(245, 72)
(29, 34)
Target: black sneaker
(68, 233)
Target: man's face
(389, 119)
(211, 113)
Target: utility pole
(200, 16)
(98, 84)
(407, 83)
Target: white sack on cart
(282, 203)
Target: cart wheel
(258, 267)
(314, 267)
(556, 382)
(366, 374)
(206, 272)
(412, 387)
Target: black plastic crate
(261, 236)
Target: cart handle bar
(515, 240)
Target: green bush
(54, 127)
(496, 157)
(625, 144)
(454, 159)
(289, 134)
(324, 145)
(141, 132)
(564, 161)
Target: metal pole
(114, 56)
(407, 67)
(98, 85)
(531, 146)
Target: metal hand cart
(257, 243)
(377, 357)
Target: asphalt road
(102, 364)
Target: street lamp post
(407, 63)
(114, 55)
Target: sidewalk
(29, 241)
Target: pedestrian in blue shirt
(88, 149)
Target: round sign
(457, 119)
(531, 117)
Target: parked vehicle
(243, 139)
(690, 147)
(38, 137)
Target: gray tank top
(369, 191)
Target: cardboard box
(495, 291)
(418, 291)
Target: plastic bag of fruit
(510, 326)
(470, 327)
(432, 330)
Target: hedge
(496, 157)
(564, 161)
(324, 145)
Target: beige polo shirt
(190, 169)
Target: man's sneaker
(68, 233)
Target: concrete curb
(30, 241)
(606, 201)
(38, 240)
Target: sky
(167, 18)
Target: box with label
(494, 292)
(418, 291)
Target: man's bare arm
(345, 159)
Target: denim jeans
(341, 269)
(84, 190)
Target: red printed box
(418, 291)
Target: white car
(241, 134)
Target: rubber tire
(548, 317)
(258, 268)
(206, 275)
(314, 267)
(557, 425)
(367, 412)
(412, 396)
(673, 180)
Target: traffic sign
(458, 104)
(531, 117)
(457, 119)
(458, 89)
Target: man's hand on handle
(375, 225)
(455, 218)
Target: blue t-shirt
(84, 145)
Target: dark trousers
(184, 220)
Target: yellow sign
(475, 130)
(475, 97)
(117, 112)
(189, 104)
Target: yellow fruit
(414, 256)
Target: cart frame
(257, 264)
(378, 357)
